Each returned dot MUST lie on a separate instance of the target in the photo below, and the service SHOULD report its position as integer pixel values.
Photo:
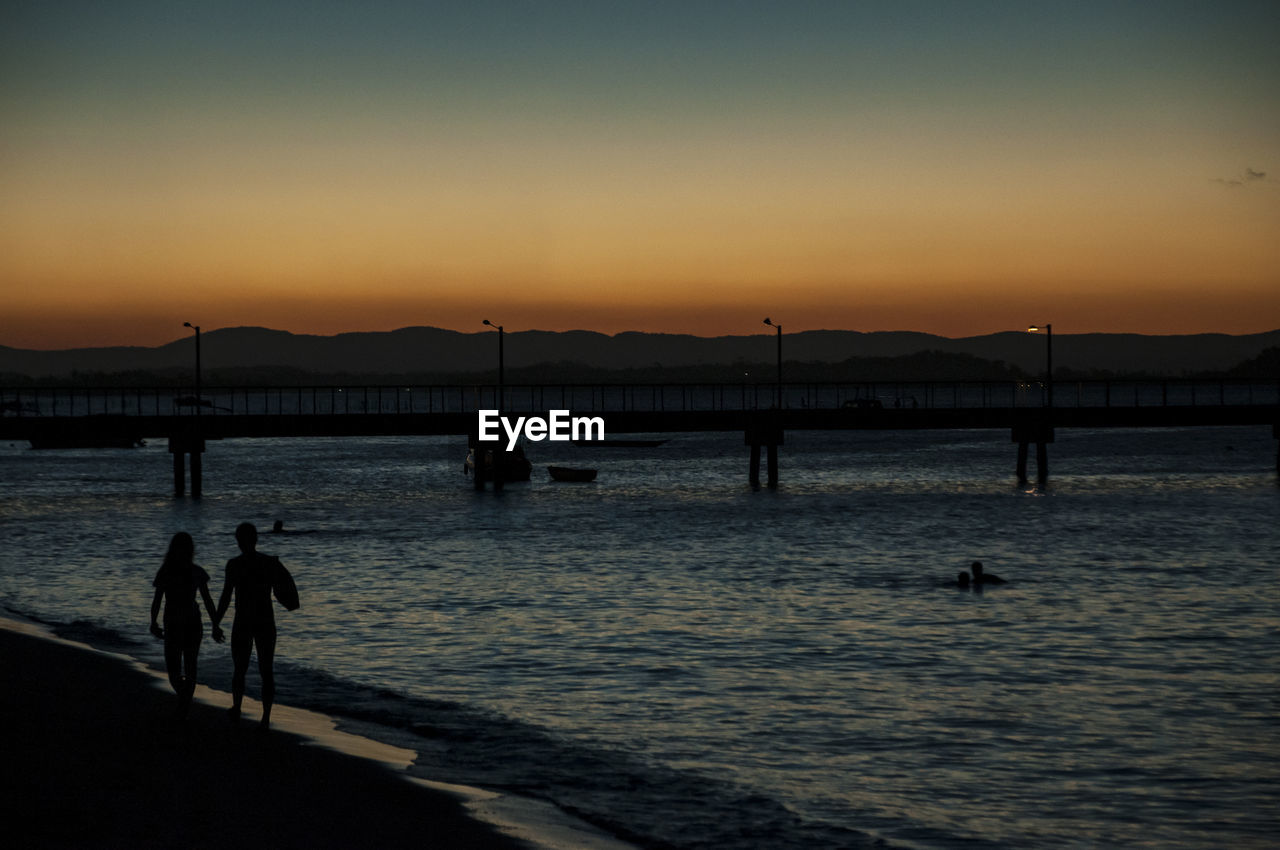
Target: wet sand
(93, 757)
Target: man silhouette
(251, 575)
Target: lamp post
(1048, 331)
(501, 382)
(191, 442)
(196, 328)
(779, 327)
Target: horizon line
(769, 332)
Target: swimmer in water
(962, 581)
(981, 578)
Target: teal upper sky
(625, 58)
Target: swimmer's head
(962, 579)
(976, 566)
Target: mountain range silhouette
(435, 350)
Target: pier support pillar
(179, 473)
(1036, 431)
(1275, 432)
(197, 471)
(181, 445)
(490, 462)
(479, 464)
(766, 431)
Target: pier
(51, 417)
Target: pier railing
(619, 398)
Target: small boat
(569, 473)
(620, 444)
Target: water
(693, 664)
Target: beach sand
(94, 757)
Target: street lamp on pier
(1048, 331)
(501, 382)
(199, 397)
(779, 327)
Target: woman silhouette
(177, 582)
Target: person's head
(962, 580)
(278, 526)
(247, 536)
(976, 566)
(182, 549)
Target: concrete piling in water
(179, 472)
(498, 470)
(181, 446)
(766, 431)
(477, 454)
(1033, 430)
(490, 462)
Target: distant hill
(423, 351)
(1266, 363)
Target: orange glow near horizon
(83, 273)
(159, 321)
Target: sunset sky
(952, 167)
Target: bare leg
(190, 654)
(241, 651)
(173, 664)
(266, 668)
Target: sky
(958, 168)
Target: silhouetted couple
(252, 577)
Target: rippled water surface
(695, 664)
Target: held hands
(156, 630)
(218, 636)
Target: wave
(652, 806)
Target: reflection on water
(710, 655)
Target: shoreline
(95, 757)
